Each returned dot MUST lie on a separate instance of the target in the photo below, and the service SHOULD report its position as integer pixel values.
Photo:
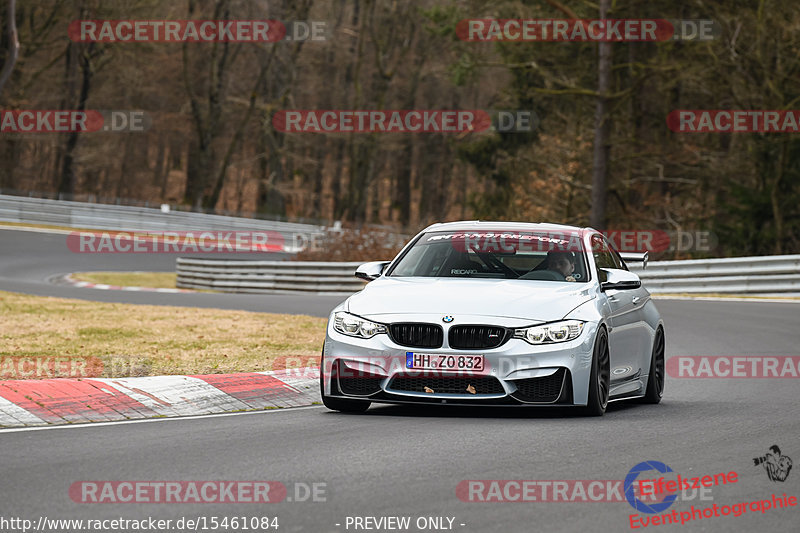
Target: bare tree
(601, 130)
(13, 45)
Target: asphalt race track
(29, 259)
(397, 461)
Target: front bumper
(515, 373)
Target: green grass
(136, 340)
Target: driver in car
(562, 263)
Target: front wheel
(600, 376)
(655, 381)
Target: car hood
(524, 299)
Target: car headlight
(355, 326)
(549, 333)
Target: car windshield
(495, 254)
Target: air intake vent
(447, 385)
(357, 382)
(541, 390)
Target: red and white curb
(68, 279)
(40, 402)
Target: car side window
(603, 257)
(615, 255)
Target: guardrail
(128, 218)
(740, 275)
(267, 276)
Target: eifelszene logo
(636, 503)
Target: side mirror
(372, 270)
(612, 278)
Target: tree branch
(564, 9)
(13, 45)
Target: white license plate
(425, 361)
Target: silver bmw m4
(496, 313)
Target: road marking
(176, 395)
(11, 413)
(67, 279)
(255, 390)
(36, 230)
(73, 400)
(170, 419)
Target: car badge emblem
(447, 319)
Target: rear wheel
(600, 376)
(655, 381)
(339, 404)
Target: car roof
(484, 225)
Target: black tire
(338, 404)
(600, 377)
(655, 381)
